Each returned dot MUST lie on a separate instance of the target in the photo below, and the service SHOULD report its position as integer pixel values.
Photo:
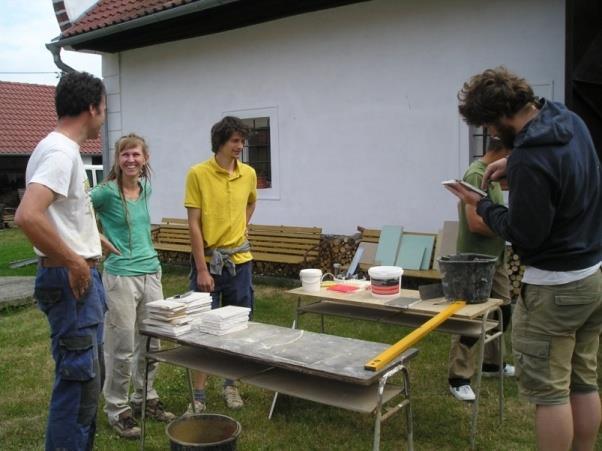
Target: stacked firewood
(337, 249)
(8, 218)
(272, 269)
(515, 272)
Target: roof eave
(69, 42)
(200, 18)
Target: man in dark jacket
(553, 220)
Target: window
(95, 174)
(478, 142)
(261, 149)
(257, 150)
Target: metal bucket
(203, 432)
(467, 277)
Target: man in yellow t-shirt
(220, 200)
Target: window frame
(272, 193)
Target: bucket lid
(385, 272)
(310, 272)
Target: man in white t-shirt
(58, 218)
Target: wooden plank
(449, 236)
(174, 221)
(172, 247)
(174, 227)
(365, 298)
(357, 398)
(456, 326)
(388, 245)
(277, 239)
(167, 235)
(370, 235)
(329, 356)
(437, 251)
(415, 251)
(277, 246)
(284, 229)
(288, 236)
(432, 274)
(211, 362)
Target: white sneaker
(509, 371)
(199, 406)
(462, 393)
(232, 397)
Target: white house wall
(365, 96)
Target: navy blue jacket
(554, 214)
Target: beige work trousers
(124, 347)
(462, 357)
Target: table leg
(501, 366)
(296, 320)
(405, 403)
(273, 406)
(477, 385)
(409, 416)
(191, 389)
(479, 372)
(144, 390)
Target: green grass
(14, 246)
(440, 422)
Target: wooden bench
(284, 244)
(371, 237)
(276, 244)
(172, 235)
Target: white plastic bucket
(310, 279)
(385, 281)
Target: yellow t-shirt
(222, 198)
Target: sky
(25, 27)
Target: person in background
(475, 237)
(553, 222)
(57, 217)
(132, 278)
(220, 200)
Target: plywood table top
(363, 297)
(330, 356)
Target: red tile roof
(110, 12)
(27, 115)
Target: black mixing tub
(467, 277)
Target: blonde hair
(127, 142)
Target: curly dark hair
(224, 129)
(492, 95)
(76, 91)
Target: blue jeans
(230, 290)
(76, 328)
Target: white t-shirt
(535, 276)
(57, 164)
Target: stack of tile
(168, 316)
(174, 315)
(196, 303)
(223, 320)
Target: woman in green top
(132, 278)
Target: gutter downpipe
(55, 49)
(189, 8)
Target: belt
(49, 262)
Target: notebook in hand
(467, 185)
